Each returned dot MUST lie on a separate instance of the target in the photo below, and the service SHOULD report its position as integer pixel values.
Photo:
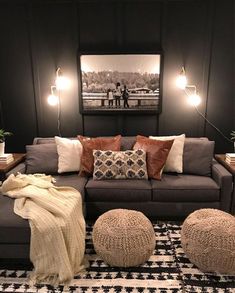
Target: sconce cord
(58, 114)
(211, 124)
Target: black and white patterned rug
(167, 271)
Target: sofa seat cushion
(185, 188)
(13, 229)
(118, 190)
(72, 180)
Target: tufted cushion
(129, 164)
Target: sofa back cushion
(41, 158)
(197, 156)
(43, 140)
(68, 160)
(127, 142)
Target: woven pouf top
(208, 240)
(123, 237)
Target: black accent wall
(39, 36)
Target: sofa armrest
(225, 181)
(21, 167)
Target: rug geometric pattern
(167, 271)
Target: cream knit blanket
(57, 225)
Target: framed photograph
(120, 83)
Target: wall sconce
(191, 90)
(61, 83)
(181, 80)
(194, 99)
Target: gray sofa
(204, 183)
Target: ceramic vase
(2, 148)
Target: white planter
(2, 148)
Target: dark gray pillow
(127, 142)
(43, 140)
(197, 156)
(41, 158)
(46, 140)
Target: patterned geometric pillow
(130, 164)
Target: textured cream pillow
(174, 162)
(69, 152)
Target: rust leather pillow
(98, 143)
(157, 152)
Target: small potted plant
(233, 137)
(3, 134)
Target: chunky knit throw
(57, 225)
(123, 237)
(208, 239)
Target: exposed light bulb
(53, 100)
(62, 82)
(194, 100)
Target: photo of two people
(115, 96)
(123, 82)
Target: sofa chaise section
(15, 231)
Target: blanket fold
(57, 245)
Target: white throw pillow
(69, 154)
(174, 162)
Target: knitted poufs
(208, 240)
(123, 237)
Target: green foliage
(232, 135)
(3, 134)
(100, 82)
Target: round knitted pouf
(208, 240)
(123, 238)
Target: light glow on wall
(62, 82)
(181, 80)
(194, 100)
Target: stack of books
(230, 158)
(6, 158)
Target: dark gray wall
(233, 66)
(39, 36)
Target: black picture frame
(100, 73)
